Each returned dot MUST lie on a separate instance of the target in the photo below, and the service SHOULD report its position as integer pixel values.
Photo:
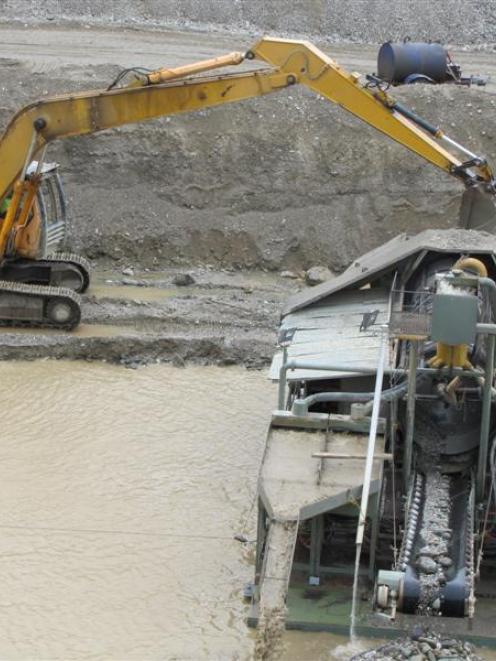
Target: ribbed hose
(388, 395)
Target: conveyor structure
(430, 523)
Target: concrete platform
(294, 485)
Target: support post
(485, 417)
(261, 534)
(410, 412)
(364, 501)
(316, 539)
(373, 535)
(281, 404)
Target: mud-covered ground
(221, 318)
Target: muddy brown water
(120, 493)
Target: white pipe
(367, 476)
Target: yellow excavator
(43, 290)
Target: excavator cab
(53, 209)
(44, 230)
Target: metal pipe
(301, 406)
(490, 285)
(29, 156)
(331, 367)
(485, 417)
(486, 329)
(364, 501)
(312, 365)
(316, 365)
(41, 159)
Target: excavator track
(38, 306)
(82, 264)
(66, 270)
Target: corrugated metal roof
(391, 255)
(331, 333)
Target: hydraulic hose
(301, 406)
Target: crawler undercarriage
(44, 289)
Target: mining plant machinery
(377, 492)
(39, 289)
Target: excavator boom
(191, 87)
(170, 91)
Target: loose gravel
(425, 647)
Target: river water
(120, 493)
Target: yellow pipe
(471, 264)
(164, 75)
(450, 356)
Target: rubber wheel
(63, 313)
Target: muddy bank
(222, 318)
(356, 20)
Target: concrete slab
(294, 485)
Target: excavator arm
(170, 91)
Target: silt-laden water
(120, 493)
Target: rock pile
(427, 647)
(433, 558)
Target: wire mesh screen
(414, 319)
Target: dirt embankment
(279, 182)
(221, 318)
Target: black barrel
(395, 62)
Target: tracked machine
(37, 288)
(39, 285)
(379, 475)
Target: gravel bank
(367, 21)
